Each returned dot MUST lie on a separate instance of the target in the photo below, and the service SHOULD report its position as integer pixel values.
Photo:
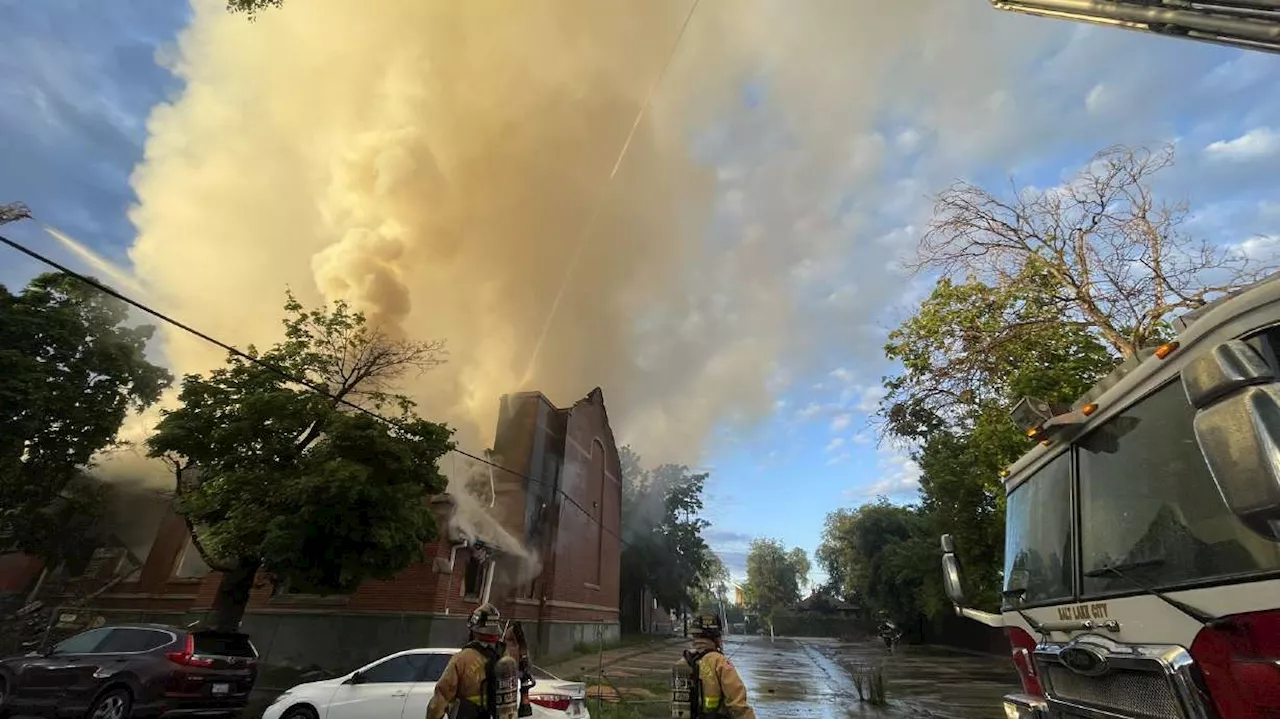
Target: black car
(135, 670)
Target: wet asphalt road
(812, 679)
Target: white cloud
(1255, 144)
(908, 140)
(841, 422)
(1099, 99)
(834, 444)
(839, 459)
(1262, 247)
(899, 474)
(1269, 211)
(861, 438)
(842, 375)
(811, 410)
(865, 398)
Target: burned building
(561, 500)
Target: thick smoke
(474, 489)
(436, 162)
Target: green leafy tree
(665, 552)
(838, 555)
(773, 576)
(969, 353)
(800, 560)
(884, 558)
(713, 584)
(274, 476)
(72, 368)
(974, 346)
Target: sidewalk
(626, 682)
(590, 664)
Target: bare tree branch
(1121, 255)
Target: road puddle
(814, 679)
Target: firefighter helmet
(707, 626)
(485, 623)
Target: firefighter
(704, 683)
(888, 630)
(481, 678)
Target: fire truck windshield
(1147, 501)
(1146, 504)
(1039, 549)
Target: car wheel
(112, 704)
(301, 711)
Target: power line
(85, 279)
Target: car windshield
(1038, 543)
(1151, 508)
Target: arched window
(597, 488)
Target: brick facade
(569, 450)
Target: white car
(399, 686)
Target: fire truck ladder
(1247, 24)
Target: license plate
(220, 688)
(575, 708)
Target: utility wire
(91, 282)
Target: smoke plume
(436, 163)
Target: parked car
(133, 670)
(400, 685)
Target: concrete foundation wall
(340, 642)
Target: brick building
(563, 502)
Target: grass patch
(868, 680)
(639, 696)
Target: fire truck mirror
(1222, 371)
(951, 580)
(1237, 426)
(948, 544)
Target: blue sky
(825, 160)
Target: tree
(773, 576)
(274, 476)
(800, 560)
(969, 353)
(711, 593)
(664, 551)
(884, 557)
(71, 370)
(839, 557)
(972, 346)
(1119, 259)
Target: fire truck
(1142, 539)
(1249, 24)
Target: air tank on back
(681, 690)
